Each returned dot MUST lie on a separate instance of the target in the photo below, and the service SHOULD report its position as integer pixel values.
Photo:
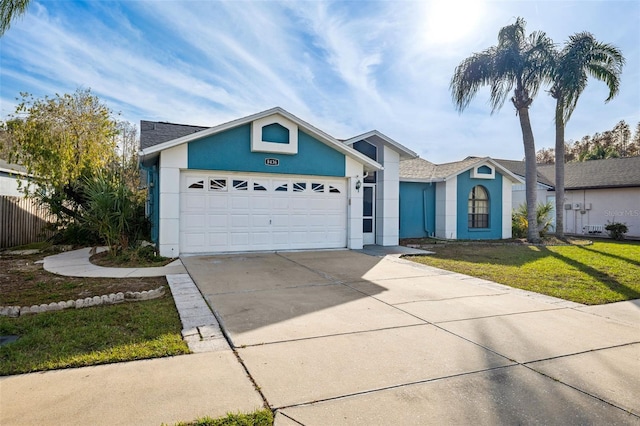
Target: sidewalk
(146, 392)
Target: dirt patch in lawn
(24, 283)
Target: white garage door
(234, 212)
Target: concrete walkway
(76, 264)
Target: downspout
(425, 214)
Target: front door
(368, 214)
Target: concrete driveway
(340, 337)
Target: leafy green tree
(517, 62)
(61, 141)
(9, 11)
(581, 57)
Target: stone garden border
(111, 299)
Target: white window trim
(259, 145)
(476, 175)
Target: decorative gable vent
(484, 171)
(274, 134)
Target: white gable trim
(403, 150)
(323, 137)
(491, 163)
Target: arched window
(478, 207)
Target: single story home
(271, 181)
(597, 192)
(9, 174)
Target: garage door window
(240, 185)
(317, 187)
(333, 189)
(283, 188)
(258, 187)
(217, 184)
(195, 183)
(299, 186)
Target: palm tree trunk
(531, 183)
(559, 168)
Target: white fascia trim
(370, 165)
(398, 146)
(12, 172)
(505, 172)
(540, 184)
(421, 180)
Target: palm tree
(517, 62)
(9, 10)
(581, 57)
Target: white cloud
(345, 67)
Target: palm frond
(472, 73)
(10, 10)
(581, 57)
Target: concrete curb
(201, 329)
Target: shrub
(616, 230)
(520, 224)
(114, 212)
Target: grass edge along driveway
(91, 336)
(604, 272)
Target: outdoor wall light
(358, 185)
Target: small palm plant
(520, 223)
(113, 211)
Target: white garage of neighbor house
(597, 192)
(269, 181)
(9, 174)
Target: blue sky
(345, 67)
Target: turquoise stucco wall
(417, 209)
(231, 150)
(494, 190)
(153, 200)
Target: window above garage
(274, 134)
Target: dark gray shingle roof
(156, 132)
(609, 173)
(518, 168)
(10, 168)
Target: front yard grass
(91, 336)
(605, 272)
(257, 418)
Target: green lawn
(257, 418)
(605, 272)
(90, 336)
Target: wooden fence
(22, 221)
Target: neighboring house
(271, 181)
(596, 192)
(9, 174)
